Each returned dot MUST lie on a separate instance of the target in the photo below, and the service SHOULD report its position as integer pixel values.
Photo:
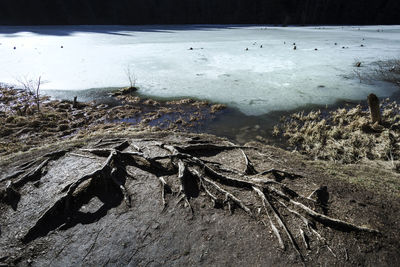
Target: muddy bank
(23, 126)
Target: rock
(125, 91)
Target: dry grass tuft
(345, 135)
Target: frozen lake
(217, 68)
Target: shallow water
(230, 122)
(218, 68)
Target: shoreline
(23, 127)
(232, 123)
(63, 187)
(152, 114)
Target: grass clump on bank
(345, 135)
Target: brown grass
(345, 135)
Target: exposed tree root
(268, 206)
(249, 190)
(106, 183)
(12, 176)
(165, 189)
(33, 175)
(30, 171)
(281, 174)
(10, 196)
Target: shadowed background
(66, 12)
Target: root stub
(261, 199)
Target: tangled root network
(182, 174)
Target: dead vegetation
(383, 70)
(22, 127)
(388, 71)
(184, 171)
(345, 135)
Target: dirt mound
(181, 199)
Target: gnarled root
(249, 190)
(30, 171)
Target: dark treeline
(33, 12)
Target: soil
(131, 224)
(113, 193)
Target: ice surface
(218, 68)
